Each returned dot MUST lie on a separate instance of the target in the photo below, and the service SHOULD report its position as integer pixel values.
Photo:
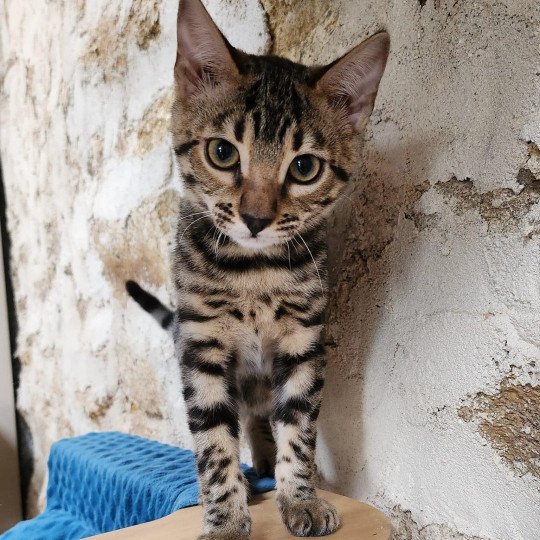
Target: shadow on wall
(364, 225)
(24, 436)
(10, 511)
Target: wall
(431, 407)
(10, 497)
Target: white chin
(255, 243)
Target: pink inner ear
(203, 56)
(361, 107)
(187, 78)
(354, 80)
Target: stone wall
(431, 406)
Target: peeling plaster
(509, 420)
(293, 24)
(154, 124)
(124, 249)
(108, 45)
(405, 528)
(502, 208)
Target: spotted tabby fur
(250, 259)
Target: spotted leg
(208, 373)
(298, 379)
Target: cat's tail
(162, 314)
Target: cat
(265, 148)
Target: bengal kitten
(265, 147)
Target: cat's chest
(260, 330)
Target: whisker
(194, 221)
(213, 230)
(289, 253)
(195, 214)
(342, 198)
(296, 243)
(217, 244)
(313, 259)
(347, 197)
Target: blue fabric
(101, 482)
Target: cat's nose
(255, 224)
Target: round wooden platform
(359, 522)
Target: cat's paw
(315, 517)
(232, 530)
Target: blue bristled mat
(101, 482)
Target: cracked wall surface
(509, 420)
(431, 405)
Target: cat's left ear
(353, 80)
(204, 57)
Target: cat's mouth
(239, 233)
(258, 242)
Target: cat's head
(265, 145)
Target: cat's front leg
(298, 380)
(208, 374)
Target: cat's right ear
(351, 82)
(203, 56)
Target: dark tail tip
(133, 289)
(150, 303)
(147, 301)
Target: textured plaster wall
(431, 407)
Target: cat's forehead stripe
(298, 139)
(320, 141)
(297, 104)
(285, 125)
(250, 99)
(273, 98)
(220, 118)
(256, 123)
(239, 128)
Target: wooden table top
(359, 522)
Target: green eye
(222, 154)
(305, 168)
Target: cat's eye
(305, 168)
(222, 154)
